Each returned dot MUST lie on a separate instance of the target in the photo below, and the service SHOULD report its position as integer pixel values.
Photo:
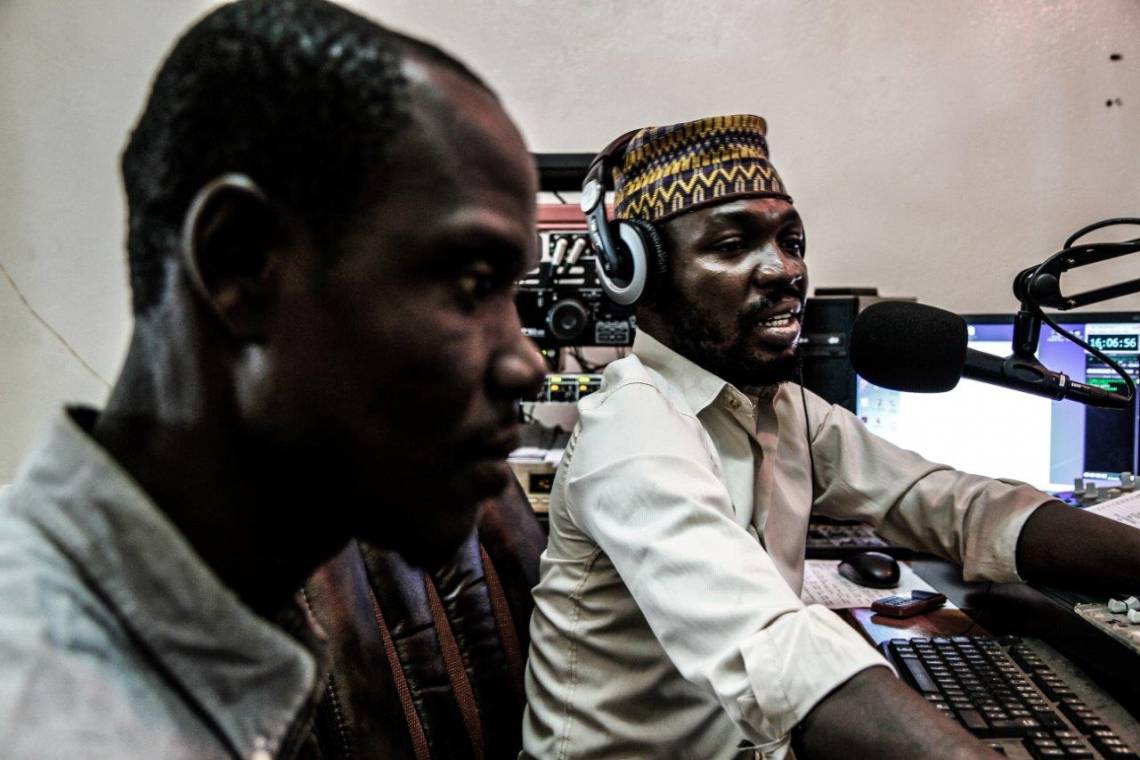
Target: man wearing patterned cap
(668, 621)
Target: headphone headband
(628, 254)
(607, 153)
(594, 186)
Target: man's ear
(228, 236)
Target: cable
(620, 352)
(807, 424)
(1101, 225)
(1067, 250)
(558, 195)
(1031, 300)
(586, 366)
(556, 432)
(523, 414)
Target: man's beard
(697, 336)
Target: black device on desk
(837, 539)
(561, 302)
(1079, 686)
(904, 606)
(568, 387)
(871, 569)
(1009, 691)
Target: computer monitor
(997, 432)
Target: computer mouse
(872, 569)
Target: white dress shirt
(668, 622)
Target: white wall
(934, 148)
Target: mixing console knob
(567, 319)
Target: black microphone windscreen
(909, 346)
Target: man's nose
(777, 269)
(518, 370)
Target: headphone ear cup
(656, 259)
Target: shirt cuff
(794, 663)
(996, 559)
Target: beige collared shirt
(668, 622)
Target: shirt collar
(699, 387)
(249, 678)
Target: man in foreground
(326, 221)
(668, 622)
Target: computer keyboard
(1006, 693)
(831, 539)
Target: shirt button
(734, 402)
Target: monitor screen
(997, 432)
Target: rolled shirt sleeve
(712, 596)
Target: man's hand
(874, 715)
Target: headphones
(629, 255)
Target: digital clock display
(1130, 343)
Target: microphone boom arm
(1040, 286)
(1101, 294)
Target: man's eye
(475, 285)
(479, 280)
(794, 245)
(729, 245)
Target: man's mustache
(751, 315)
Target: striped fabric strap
(415, 726)
(505, 622)
(456, 672)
